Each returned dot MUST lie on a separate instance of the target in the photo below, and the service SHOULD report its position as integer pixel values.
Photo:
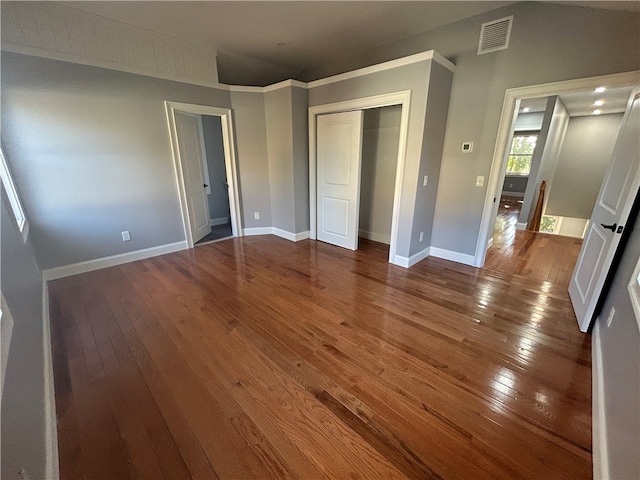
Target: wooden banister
(534, 223)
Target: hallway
(538, 256)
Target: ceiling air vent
(495, 35)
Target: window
(549, 224)
(14, 201)
(522, 148)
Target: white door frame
(510, 106)
(397, 98)
(229, 160)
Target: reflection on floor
(217, 232)
(538, 256)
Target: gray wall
(583, 160)
(549, 42)
(253, 165)
(545, 156)
(288, 146)
(380, 139)
(23, 434)
(300, 151)
(219, 197)
(620, 345)
(98, 142)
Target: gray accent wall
(582, 163)
(23, 437)
(253, 164)
(300, 150)
(380, 139)
(549, 42)
(219, 197)
(90, 152)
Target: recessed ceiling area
(579, 104)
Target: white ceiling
(261, 42)
(583, 103)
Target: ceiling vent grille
(495, 35)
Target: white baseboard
(112, 260)
(292, 237)
(52, 469)
(249, 232)
(453, 256)
(599, 422)
(490, 243)
(376, 237)
(407, 262)
(521, 226)
(219, 221)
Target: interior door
(608, 219)
(189, 130)
(339, 155)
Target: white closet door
(339, 154)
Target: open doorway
(206, 174)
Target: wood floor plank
(262, 358)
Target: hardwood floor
(262, 358)
(539, 256)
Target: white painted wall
(380, 141)
(529, 121)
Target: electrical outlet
(126, 236)
(612, 312)
(421, 236)
(425, 181)
(479, 181)
(256, 215)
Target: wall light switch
(126, 236)
(425, 181)
(479, 181)
(256, 215)
(467, 147)
(421, 236)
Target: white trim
(14, 200)
(284, 84)
(397, 98)
(407, 262)
(510, 105)
(112, 260)
(245, 89)
(376, 237)
(598, 414)
(228, 137)
(521, 226)
(250, 232)
(218, 221)
(453, 256)
(380, 67)
(293, 237)
(52, 469)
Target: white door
(190, 147)
(607, 221)
(339, 153)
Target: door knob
(205, 185)
(609, 227)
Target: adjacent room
(320, 239)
